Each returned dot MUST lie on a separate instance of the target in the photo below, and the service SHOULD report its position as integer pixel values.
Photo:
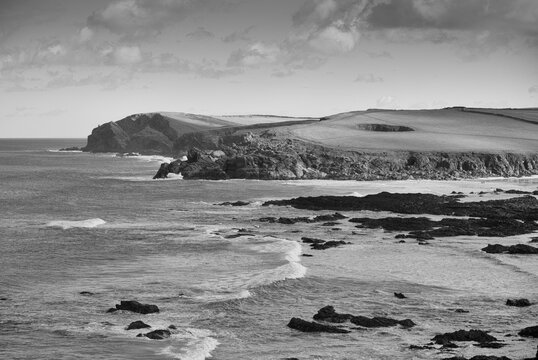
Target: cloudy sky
(68, 65)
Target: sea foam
(68, 224)
(199, 345)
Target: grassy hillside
(446, 130)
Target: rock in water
(518, 302)
(137, 307)
(531, 331)
(463, 335)
(156, 334)
(307, 326)
(400, 295)
(137, 325)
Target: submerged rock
(136, 307)
(318, 244)
(400, 295)
(236, 203)
(307, 326)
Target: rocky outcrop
(307, 326)
(523, 208)
(518, 302)
(512, 249)
(531, 331)
(156, 334)
(268, 155)
(137, 325)
(328, 314)
(464, 335)
(424, 228)
(135, 306)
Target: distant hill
(155, 133)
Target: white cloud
(533, 89)
(333, 39)
(256, 54)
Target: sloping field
(185, 122)
(450, 130)
(259, 119)
(530, 115)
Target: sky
(67, 66)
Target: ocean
(80, 232)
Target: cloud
(239, 35)
(200, 34)
(126, 55)
(256, 54)
(533, 89)
(369, 78)
(379, 55)
(331, 26)
(139, 19)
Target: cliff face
(151, 133)
(265, 155)
(146, 133)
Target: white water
(68, 224)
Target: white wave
(139, 178)
(292, 270)
(64, 151)
(68, 224)
(155, 158)
(212, 297)
(199, 345)
(356, 194)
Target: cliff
(367, 145)
(266, 156)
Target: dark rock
(461, 311)
(400, 295)
(137, 325)
(426, 229)
(534, 240)
(112, 310)
(137, 307)
(519, 192)
(522, 208)
(156, 334)
(86, 293)
(464, 335)
(236, 203)
(172, 327)
(72, 148)
(303, 219)
(518, 302)
(327, 245)
(512, 249)
(163, 171)
(531, 331)
(328, 313)
(421, 347)
(491, 345)
(3, 299)
(306, 326)
(331, 223)
(307, 255)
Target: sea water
(81, 232)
